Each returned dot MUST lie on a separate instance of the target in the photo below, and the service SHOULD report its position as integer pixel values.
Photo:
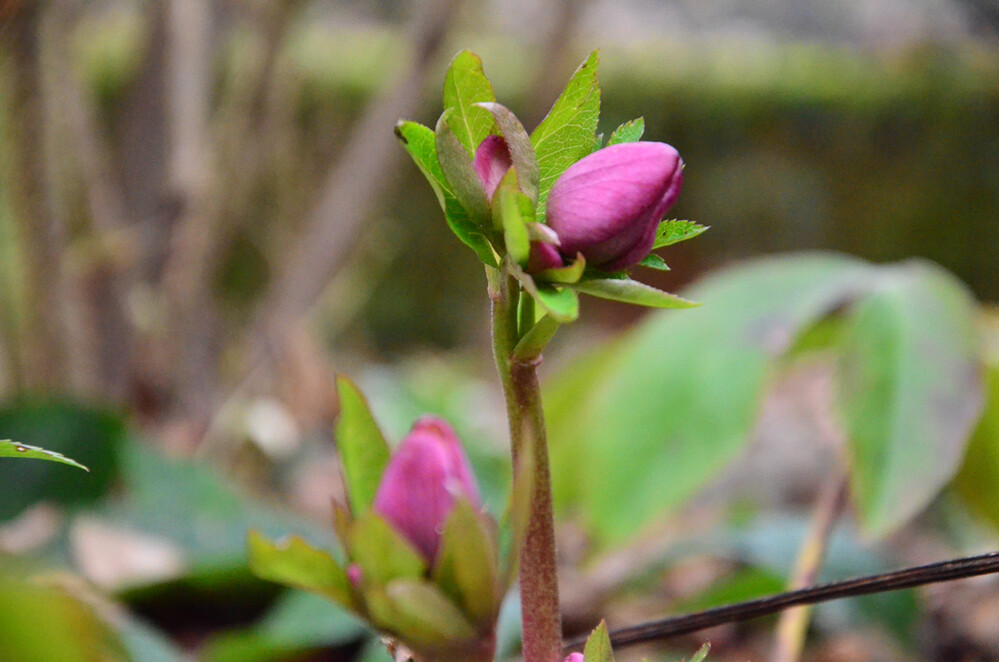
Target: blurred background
(204, 214)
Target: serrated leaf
(598, 645)
(422, 616)
(512, 209)
(910, 390)
(381, 552)
(568, 132)
(465, 85)
(522, 155)
(10, 448)
(364, 453)
(653, 261)
(466, 568)
(629, 132)
(459, 171)
(674, 231)
(294, 562)
(632, 291)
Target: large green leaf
(675, 401)
(465, 84)
(910, 390)
(10, 448)
(363, 450)
(567, 132)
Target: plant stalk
(542, 624)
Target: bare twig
(933, 573)
(793, 624)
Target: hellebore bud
(422, 481)
(574, 657)
(492, 160)
(608, 205)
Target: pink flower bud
(574, 657)
(543, 256)
(608, 205)
(423, 479)
(492, 160)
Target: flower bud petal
(424, 477)
(543, 256)
(608, 205)
(492, 160)
(574, 657)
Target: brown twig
(943, 571)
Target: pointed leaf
(910, 390)
(363, 450)
(460, 173)
(422, 616)
(465, 85)
(598, 646)
(530, 346)
(631, 291)
(525, 161)
(653, 261)
(381, 552)
(702, 653)
(629, 132)
(467, 567)
(421, 144)
(10, 448)
(568, 131)
(674, 231)
(293, 562)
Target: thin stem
(943, 571)
(542, 626)
(792, 627)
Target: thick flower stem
(542, 626)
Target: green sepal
(532, 343)
(294, 562)
(381, 552)
(674, 231)
(465, 86)
(567, 275)
(466, 568)
(420, 142)
(653, 261)
(10, 448)
(522, 155)
(629, 132)
(459, 172)
(598, 645)
(568, 132)
(421, 615)
(702, 653)
(559, 302)
(632, 291)
(512, 209)
(364, 453)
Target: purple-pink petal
(491, 163)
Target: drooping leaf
(567, 132)
(381, 552)
(678, 397)
(632, 291)
(467, 566)
(459, 171)
(522, 155)
(598, 645)
(465, 85)
(294, 562)
(910, 390)
(10, 448)
(363, 450)
(653, 261)
(674, 231)
(629, 132)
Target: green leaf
(598, 645)
(467, 567)
(468, 232)
(979, 475)
(363, 450)
(566, 275)
(568, 131)
(294, 562)
(561, 303)
(673, 232)
(636, 432)
(460, 173)
(522, 155)
(653, 261)
(511, 211)
(421, 615)
(632, 291)
(629, 132)
(465, 85)
(381, 552)
(530, 346)
(910, 391)
(702, 653)
(9, 448)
